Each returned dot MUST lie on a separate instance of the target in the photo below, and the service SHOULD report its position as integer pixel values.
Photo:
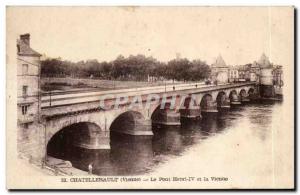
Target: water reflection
(167, 140)
(134, 155)
(131, 154)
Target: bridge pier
(166, 117)
(209, 109)
(208, 105)
(142, 127)
(235, 100)
(267, 91)
(193, 113)
(244, 97)
(136, 127)
(189, 110)
(224, 103)
(253, 94)
(94, 139)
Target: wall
(30, 133)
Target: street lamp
(49, 91)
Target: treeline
(135, 68)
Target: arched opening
(189, 109)
(250, 91)
(208, 105)
(85, 135)
(222, 100)
(243, 93)
(244, 96)
(251, 94)
(83, 144)
(132, 123)
(165, 115)
(234, 98)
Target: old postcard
(150, 97)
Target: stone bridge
(89, 124)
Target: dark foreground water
(136, 155)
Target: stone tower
(220, 71)
(266, 77)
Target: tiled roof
(25, 50)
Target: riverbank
(53, 167)
(63, 167)
(68, 83)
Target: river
(239, 139)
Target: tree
(136, 68)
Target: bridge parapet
(70, 109)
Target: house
(28, 82)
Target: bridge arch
(243, 93)
(189, 108)
(233, 94)
(251, 91)
(188, 101)
(131, 122)
(206, 100)
(55, 125)
(165, 114)
(221, 97)
(81, 134)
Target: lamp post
(50, 92)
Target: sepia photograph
(135, 97)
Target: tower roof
(264, 62)
(219, 62)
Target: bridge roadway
(73, 97)
(68, 98)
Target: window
(24, 109)
(25, 90)
(25, 69)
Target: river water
(208, 139)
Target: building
(233, 74)
(28, 97)
(278, 76)
(219, 71)
(254, 72)
(263, 72)
(266, 77)
(239, 73)
(278, 80)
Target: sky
(239, 34)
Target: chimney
(25, 38)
